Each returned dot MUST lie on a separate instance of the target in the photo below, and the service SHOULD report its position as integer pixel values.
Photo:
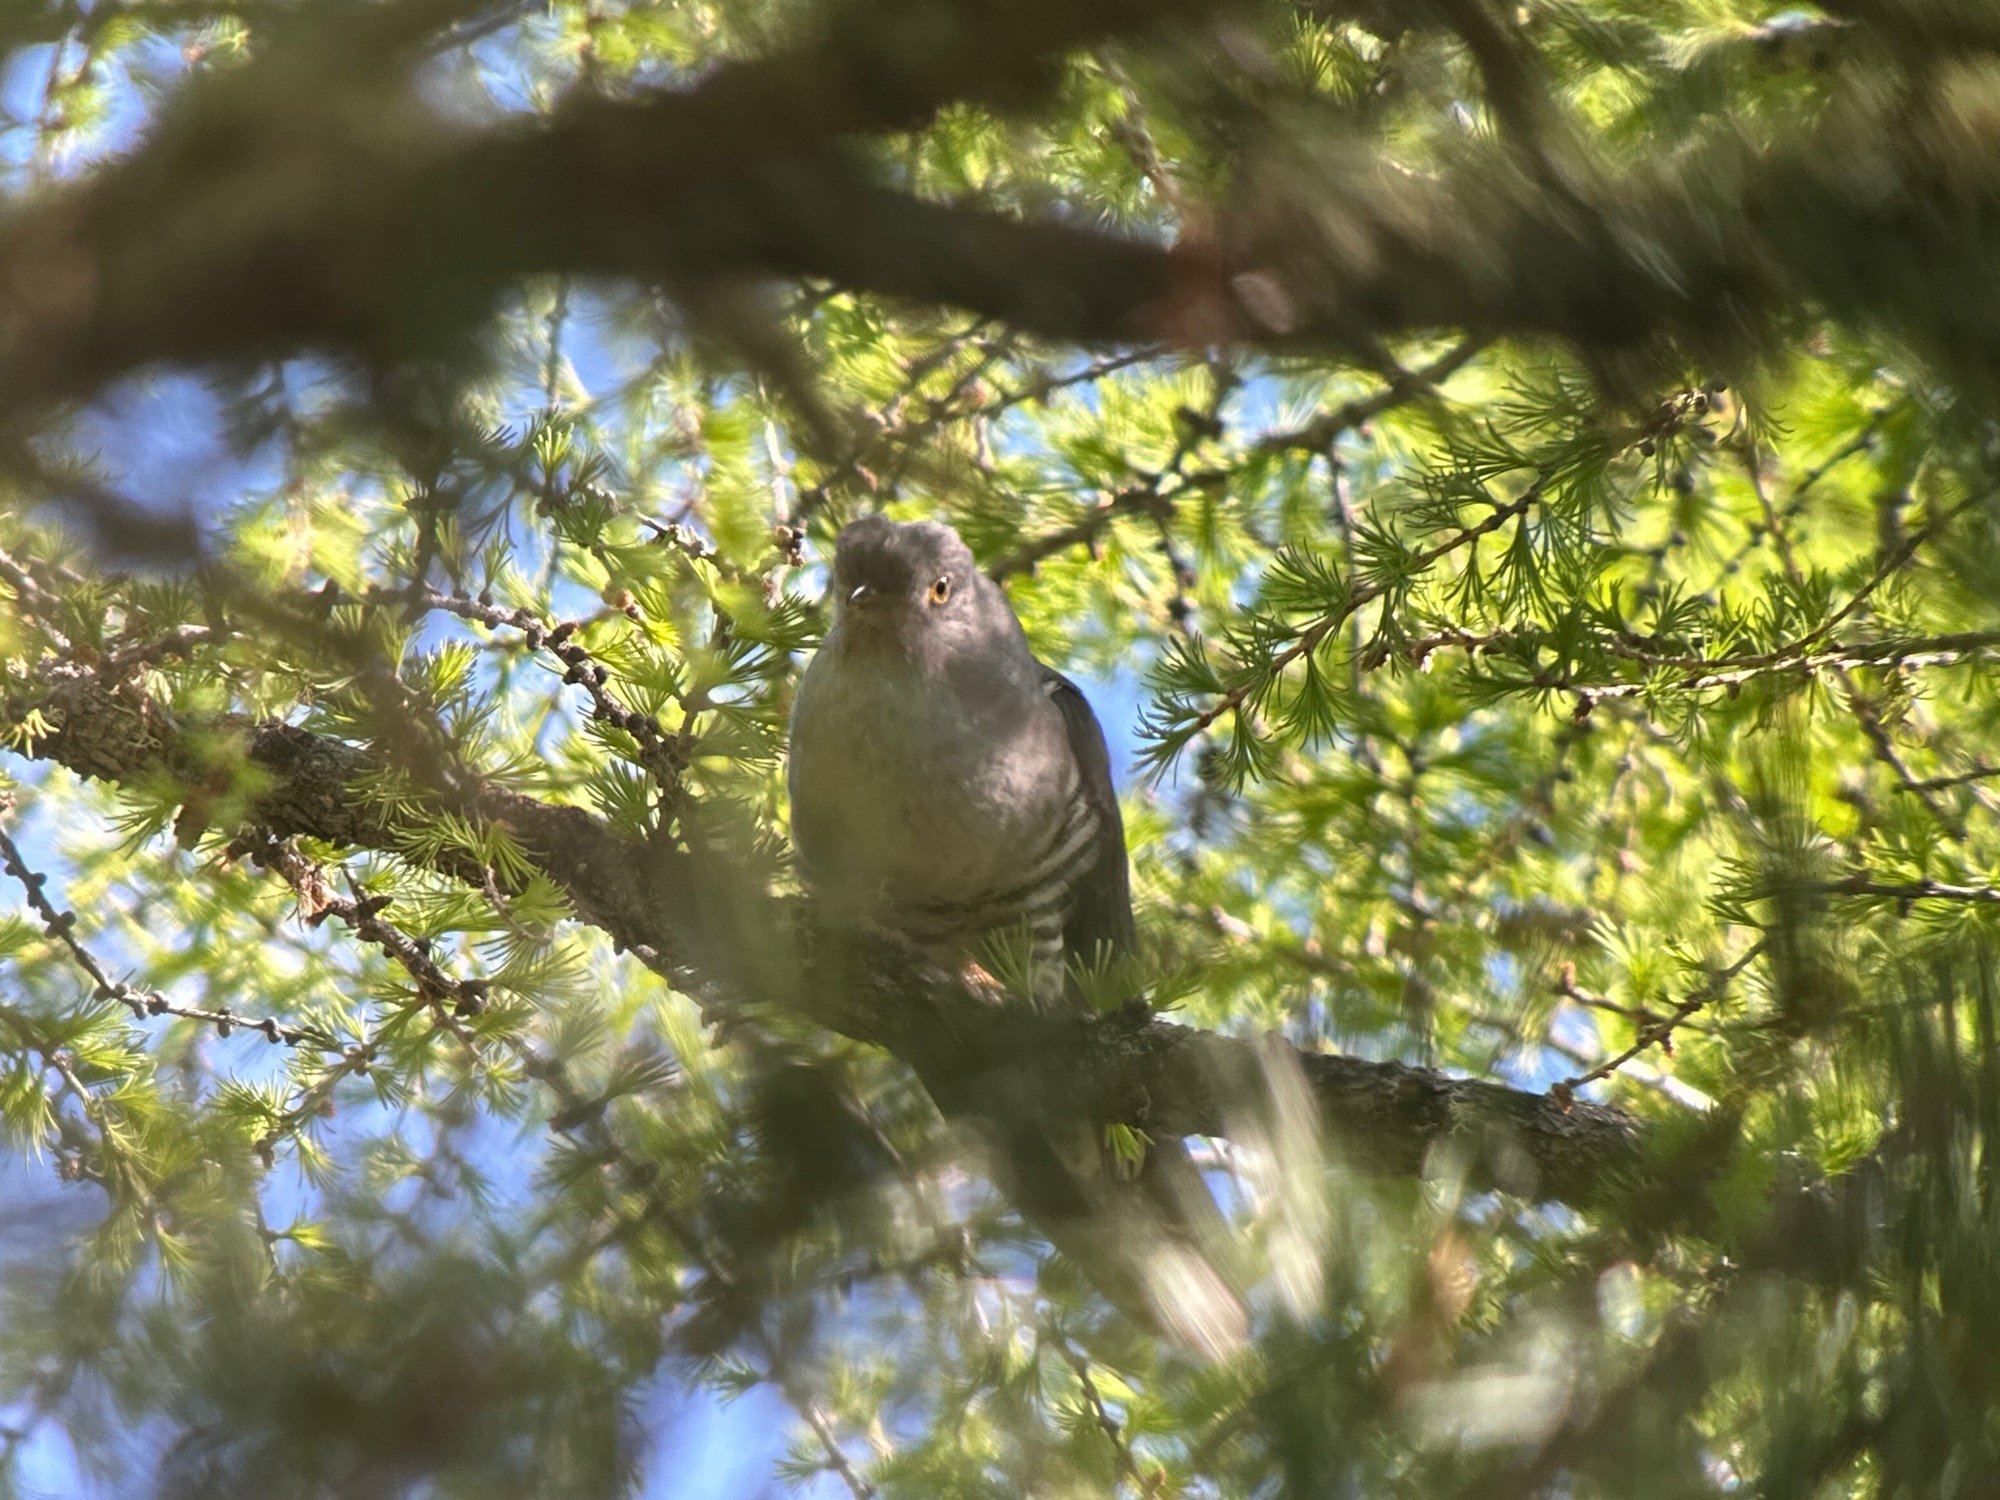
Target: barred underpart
(1040, 905)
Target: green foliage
(1549, 701)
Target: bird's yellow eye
(941, 590)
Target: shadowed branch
(684, 917)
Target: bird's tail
(1152, 1241)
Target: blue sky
(159, 438)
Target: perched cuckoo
(944, 783)
(949, 787)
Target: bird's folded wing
(1100, 922)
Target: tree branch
(691, 918)
(300, 203)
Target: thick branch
(974, 1057)
(311, 198)
(281, 207)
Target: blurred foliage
(1606, 711)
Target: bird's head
(913, 588)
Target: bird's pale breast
(909, 795)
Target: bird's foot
(977, 978)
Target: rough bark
(310, 200)
(703, 923)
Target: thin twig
(60, 925)
(1363, 593)
(1911, 890)
(1660, 1033)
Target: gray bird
(944, 783)
(951, 788)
